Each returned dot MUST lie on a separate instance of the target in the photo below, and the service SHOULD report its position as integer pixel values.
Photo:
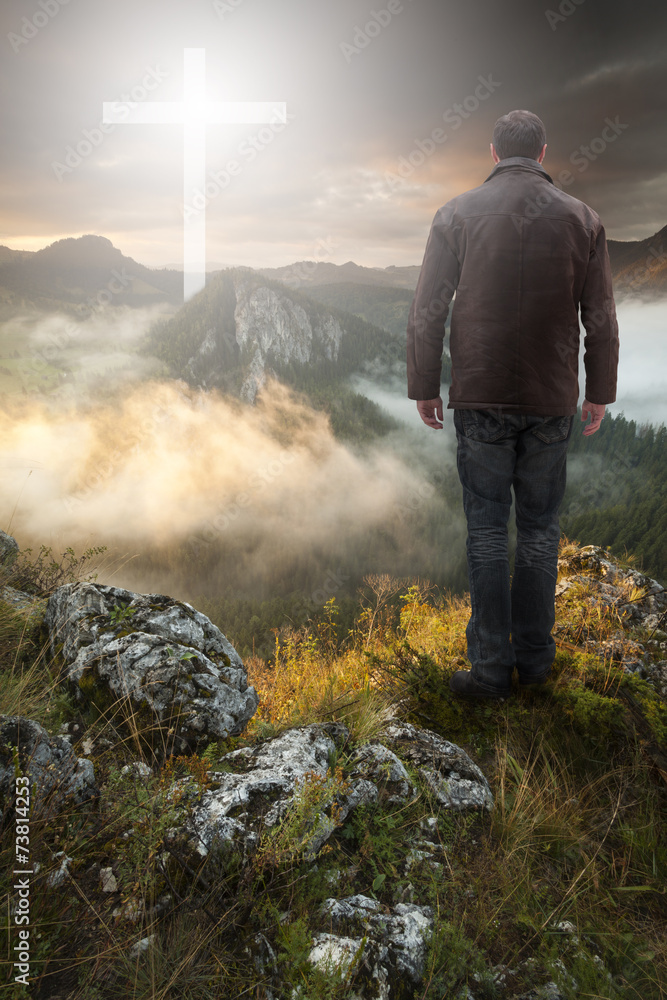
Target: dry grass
(575, 835)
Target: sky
(390, 110)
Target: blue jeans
(510, 623)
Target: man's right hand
(596, 413)
(430, 410)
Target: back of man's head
(519, 133)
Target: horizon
(214, 266)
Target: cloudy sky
(390, 105)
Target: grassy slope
(575, 834)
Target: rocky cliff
(242, 329)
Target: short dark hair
(519, 133)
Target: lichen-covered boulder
(262, 785)
(384, 953)
(58, 778)
(158, 652)
(454, 780)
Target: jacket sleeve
(598, 315)
(437, 283)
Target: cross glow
(194, 113)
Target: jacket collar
(519, 163)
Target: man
(523, 258)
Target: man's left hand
(596, 412)
(430, 410)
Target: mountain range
(76, 275)
(639, 268)
(311, 324)
(71, 271)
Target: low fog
(82, 356)
(192, 491)
(642, 372)
(162, 468)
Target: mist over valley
(255, 448)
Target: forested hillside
(622, 502)
(202, 344)
(382, 306)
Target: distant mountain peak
(87, 250)
(79, 270)
(306, 273)
(639, 267)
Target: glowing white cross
(194, 112)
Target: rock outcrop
(640, 602)
(454, 780)
(385, 951)
(361, 827)
(158, 652)
(271, 327)
(58, 778)
(267, 780)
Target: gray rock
(385, 950)
(108, 881)
(612, 587)
(141, 946)
(267, 780)
(264, 782)
(157, 651)
(57, 776)
(424, 853)
(137, 769)
(455, 781)
(353, 910)
(380, 765)
(61, 874)
(334, 953)
(8, 551)
(590, 564)
(548, 991)
(32, 608)
(270, 324)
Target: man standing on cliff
(524, 258)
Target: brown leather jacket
(523, 257)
